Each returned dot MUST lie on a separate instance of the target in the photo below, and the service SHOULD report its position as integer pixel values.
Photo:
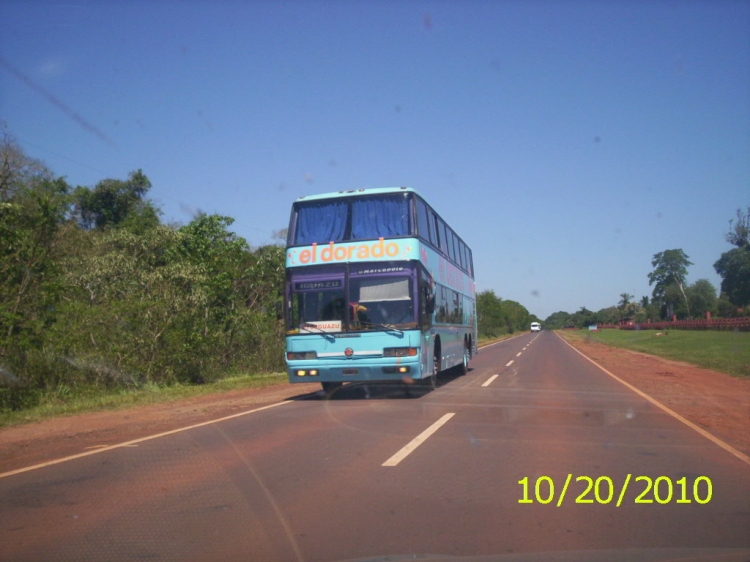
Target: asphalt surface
(380, 471)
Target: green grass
(64, 401)
(723, 351)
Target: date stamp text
(604, 490)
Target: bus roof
(356, 193)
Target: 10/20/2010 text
(602, 490)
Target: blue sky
(567, 142)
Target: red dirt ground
(718, 403)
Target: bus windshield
(371, 300)
(379, 302)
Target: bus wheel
(435, 370)
(330, 387)
(465, 364)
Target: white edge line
(489, 380)
(726, 446)
(417, 441)
(134, 441)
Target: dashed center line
(417, 441)
(509, 363)
(489, 380)
(519, 354)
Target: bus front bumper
(352, 371)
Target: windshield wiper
(389, 327)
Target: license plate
(350, 371)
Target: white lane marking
(488, 382)
(134, 441)
(501, 341)
(509, 363)
(727, 447)
(417, 441)
(519, 354)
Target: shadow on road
(380, 390)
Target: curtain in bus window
(383, 217)
(377, 290)
(321, 222)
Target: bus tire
(464, 366)
(435, 367)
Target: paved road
(306, 480)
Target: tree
(702, 297)
(115, 203)
(734, 266)
(33, 207)
(491, 319)
(670, 269)
(739, 234)
(279, 236)
(610, 315)
(517, 317)
(18, 171)
(583, 318)
(725, 308)
(625, 305)
(557, 320)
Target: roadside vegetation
(97, 296)
(498, 318)
(722, 351)
(52, 404)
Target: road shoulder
(43, 441)
(716, 402)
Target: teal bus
(378, 288)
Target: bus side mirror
(429, 304)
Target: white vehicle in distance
(536, 327)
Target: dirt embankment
(716, 402)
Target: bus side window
(433, 231)
(443, 237)
(425, 232)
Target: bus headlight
(402, 370)
(400, 352)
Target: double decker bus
(378, 288)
